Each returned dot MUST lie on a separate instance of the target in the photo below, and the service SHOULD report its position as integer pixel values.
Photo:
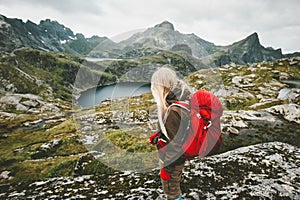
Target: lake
(96, 95)
(92, 59)
(293, 83)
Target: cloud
(63, 6)
(221, 22)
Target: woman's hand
(153, 138)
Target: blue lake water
(293, 83)
(91, 59)
(96, 95)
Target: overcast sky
(222, 22)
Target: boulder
(26, 102)
(290, 112)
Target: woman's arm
(176, 125)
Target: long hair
(163, 81)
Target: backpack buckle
(209, 125)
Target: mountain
(164, 36)
(48, 35)
(248, 50)
(51, 36)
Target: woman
(173, 121)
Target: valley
(51, 146)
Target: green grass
(129, 142)
(22, 156)
(40, 169)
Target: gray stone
(21, 107)
(233, 130)
(30, 103)
(290, 112)
(50, 145)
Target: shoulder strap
(182, 104)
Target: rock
(30, 103)
(7, 115)
(293, 63)
(82, 162)
(50, 145)
(166, 25)
(290, 112)
(11, 88)
(182, 47)
(5, 175)
(283, 76)
(233, 130)
(265, 171)
(21, 107)
(10, 99)
(233, 94)
(291, 95)
(244, 81)
(33, 123)
(87, 128)
(263, 102)
(26, 102)
(240, 118)
(46, 149)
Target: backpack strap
(182, 104)
(185, 105)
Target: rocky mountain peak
(252, 39)
(2, 17)
(49, 21)
(54, 25)
(166, 25)
(253, 35)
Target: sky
(221, 22)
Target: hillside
(52, 142)
(53, 75)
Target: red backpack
(204, 134)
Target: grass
(21, 149)
(41, 169)
(22, 156)
(128, 142)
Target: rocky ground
(263, 171)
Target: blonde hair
(163, 81)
